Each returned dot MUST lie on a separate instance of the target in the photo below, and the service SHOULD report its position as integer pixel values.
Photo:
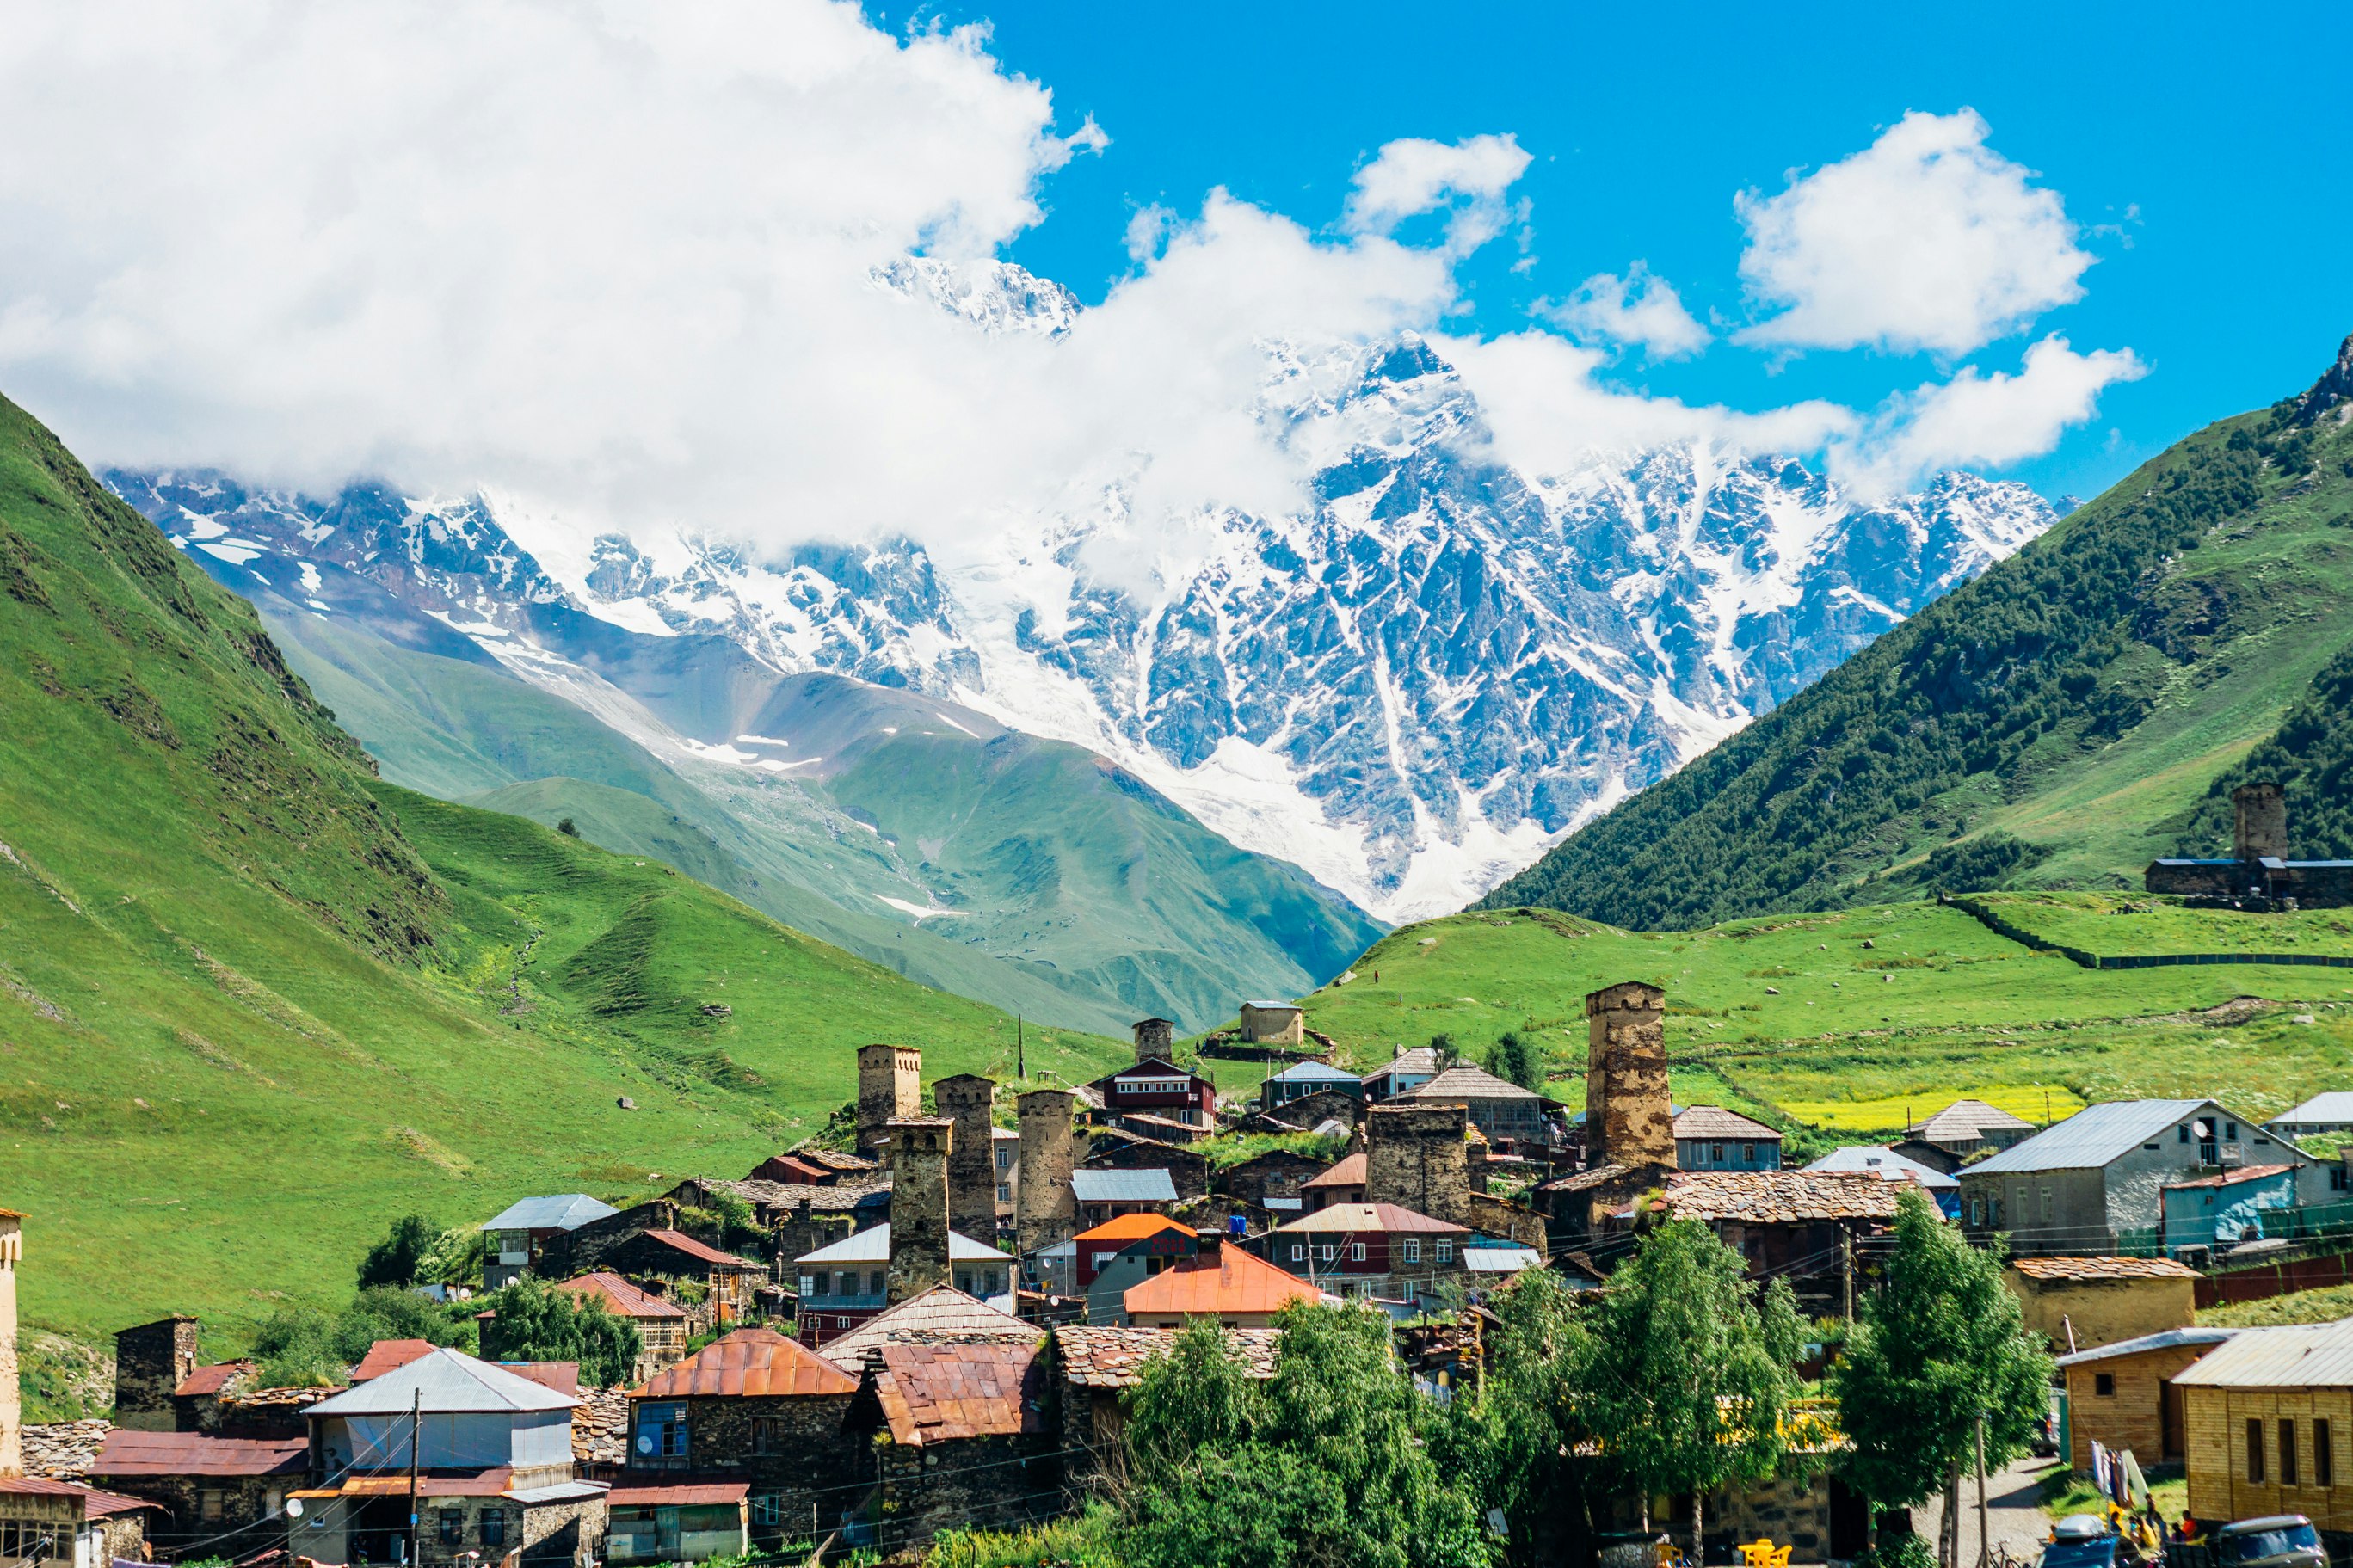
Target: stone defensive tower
(2261, 810)
(889, 1086)
(11, 1408)
(1628, 1118)
(150, 1361)
(969, 1100)
(1156, 1037)
(1046, 1211)
(1419, 1157)
(918, 1203)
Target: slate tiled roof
(749, 1361)
(1585, 1180)
(835, 1160)
(2091, 1270)
(1714, 1122)
(1420, 1062)
(63, 1449)
(1224, 1280)
(212, 1379)
(389, 1355)
(1114, 1358)
(940, 1314)
(1769, 1197)
(678, 1241)
(1467, 1083)
(128, 1453)
(1348, 1172)
(934, 1393)
(620, 1297)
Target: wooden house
(2121, 1396)
(2269, 1422)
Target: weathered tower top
(1155, 1038)
(890, 1084)
(1628, 1118)
(2261, 810)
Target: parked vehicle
(2276, 1541)
(2080, 1540)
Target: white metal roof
(1873, 1160)
(443, 1383)
(2335, 1106)
(1314, 1072)
(559, 1211)
(1151, 1185)
(2096, 1135)
(874, 1247)
(2300, 1355)
(2164, 1339)
(1499, 1259)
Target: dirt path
(2015, 1517)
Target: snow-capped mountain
(1409, 687)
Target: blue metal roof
(2095, 1135)
(1122, 1186)
(1314, 1072)
(564, 1211)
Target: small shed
(2082, 1303)
(2225, 1209)
(2121, 1396)
(2268, 1417)
(1274, 1023)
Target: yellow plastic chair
(1762, 1553)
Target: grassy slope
(2078, 699)
(1858, 1039)
(253, 1001)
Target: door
(2170, 1421)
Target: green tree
(394, 1260)
(1197, 1396)
(1511, 1436)
(300, 1346)
(454, 1259)
(1941, 1346)
(1516, 1060)
(536, 1321)
(1688, 1375)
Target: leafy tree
(300, 1346)
(568, 828)
(1195, 1396)
(454, 1259)
(1689, 1368)
(1511, 1439)
(536, 1322)
(1516, 1060)
(1443, 1044)
(1939, 1346)
(394, 1260)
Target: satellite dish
(645, 1443)
(293, 1508)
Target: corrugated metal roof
(562, 1376)
(561, 1211)
(1364, 1219)
(1287, 1006)
(1875, 1160)
(445, 1380)
(2165, 1339)
(130, 1453)
(939, 1314)
(678, 1241)
(211, 1379)
(748, 1362)
(873, 1245)
(2335, 1106)
(1509, 1260)
(2093, 1136)
(1148, 1186)
(1348, 1172)
(1313, 1072)
(2301, 1356)
(620, 1297)
(1131, 1227)
(1226, 1279)
(95, 1504)
(933, 1394)
(679, 1494)
(2231, 1178)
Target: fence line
(2024, 938)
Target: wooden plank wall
(2219, 1489)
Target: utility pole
(1985, 1550)
(1021, 1050)
(416, 1456)
(1846, 1269)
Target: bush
(394, 1260)
(536, 1322)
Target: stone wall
(921, 1147)
(586, 1248)
(2259, 821)
(1628, 1118)
(889, 1086)
(1281, 1025)
(1325, 1105)
(1046, 1212)
(992, 1483)
(1415, 1157)
(1155, 1039)
(150, 1361)
(2102, 1311)
(236, 1503)
(791, 1445)
(970, 1101)
(1188, 1171)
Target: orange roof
(621, 1298)
(1132, 1227)
(680, 1241)
(749, 1361)
(1348, 1172)
(931, 1392)
(212, 1379)
(1224, 1280)
(389, 1355)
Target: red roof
(1130, 1227)
(679, 1241)
(564, 1376)
(1368, 1219)
(95, 1504)
(677, 1494)
(749, 1361)
(2231, 1178)
(212, 1379)
(389, 1355)
(931, 1393)
(1215, 1283)
(621, 1298)
(1348, 1172)
(128, 1453)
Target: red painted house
(1369, 1250)
(1157, 1087)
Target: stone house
(2082, 1303)
(2257, 867)
(1273, 1181)
(1710, 1137)
(941, 1315)
(1214, 1280)
(207, 1488)
(843, 1285)
(2268, 1417)
(68, 1524)
(494, 1464)
(1371, 1251)
(2121, 1396)
(961, 1435)
(661, 1324)
(1303, 1079)
(521, 1234)
(1499, 1108)
(1109, 1149)
(151, 1362)
(1342, 1183)
(1308, 1111)
(753, 1415)
(1806, 1227)
(1095, 1368)
(2091, 1184)
(727, 1281)
(1274, 1023)
(1107, 1194)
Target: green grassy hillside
(1797, 1019)
(255, 1002)
(2059, 723)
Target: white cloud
(1926, 240)
(1638, 308)
(1411, 176)
(1980, 419)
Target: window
(661, 1431)
(2323, 1454)
(208, 1506)
(879, 1283)
(2287, 1451)
(1356, 1252)
(1715, 1152)
(1298, 1253)
(2048, 1208)
(1749, 1154)
(494, 1527)
(816, 1284)
(767, 1435)
(2337, 1178)
(2254, 1450)
(2184, 1131)
(1102, 1260)
(1410, 1249)
(1977, 1211)
(2103, 1384)
(2229, 1132)
(449, 1525)
(1004, 1192)
(1003, 1158)
(1445, 1249)
(768, 1508)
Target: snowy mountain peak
(995, 296)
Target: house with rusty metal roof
(1710, 1137)
(737, 1442)
(1342, 1183)
(69, 1522)
(205, 1487)
(960, 1436)
(728, 1280)
(661, 1323)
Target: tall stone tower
(1628, 1118)
(1156, 1037)
(890, 1084)
(1046, 1211)
(1418, 1157)
(11, 1408)
(969, 1100)
(2262, 813)
(150, 1361)
(918, 1203)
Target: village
(849, 1352)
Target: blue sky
(2203, 156)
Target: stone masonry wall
(970, 1101)
(1415, 1157)
(1628, 1118)
(889, 1086)
(1046, 1211)
(921, 1147)
(150, 1361)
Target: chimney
(919, 1204)
(1156, 1037)
(1046, 1210)
(890, 1084)
(2261, 810)
(150, 1361)
(1628, 1118)
(970, 1101)
(11, 1408)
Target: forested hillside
(2057, 723)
